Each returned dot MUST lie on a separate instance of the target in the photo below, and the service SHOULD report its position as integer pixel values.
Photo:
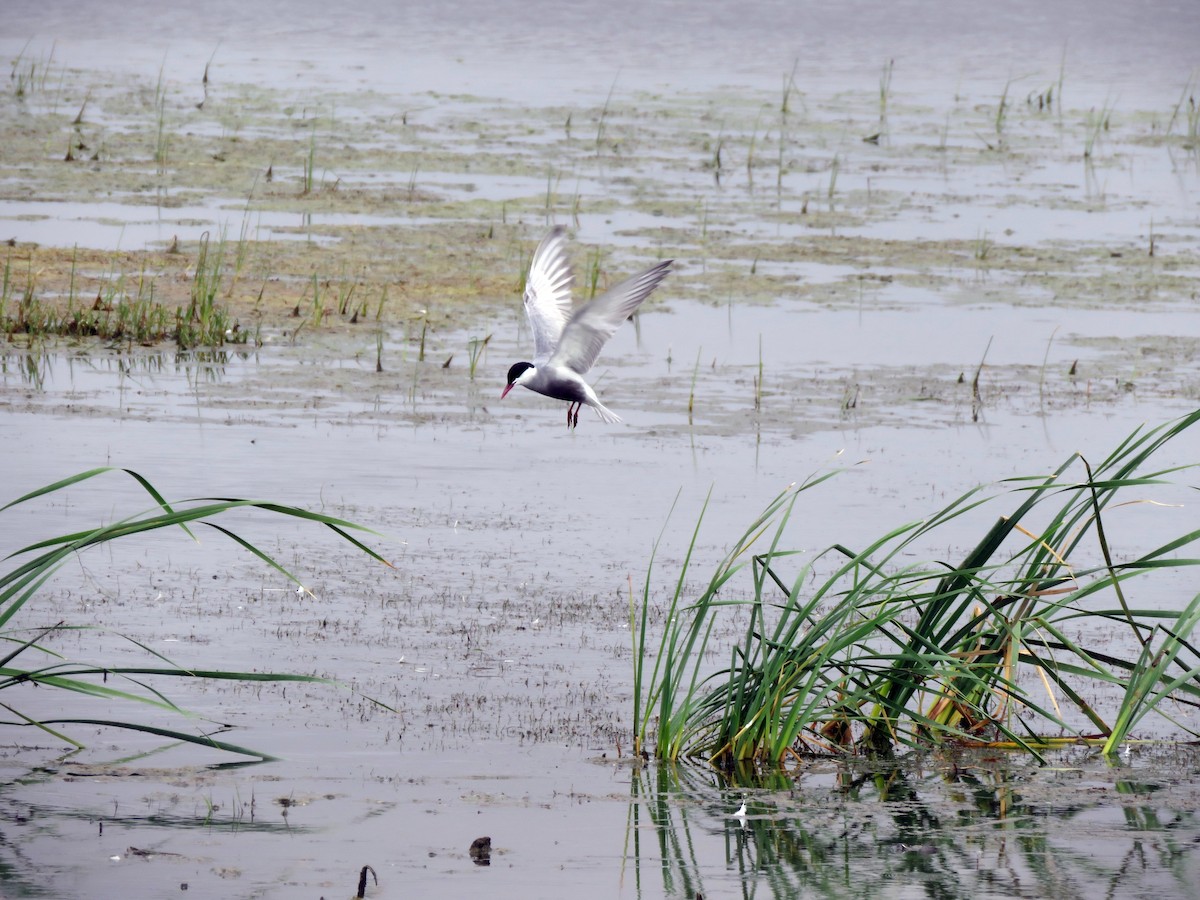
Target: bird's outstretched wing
(548, 293)
(587, 331)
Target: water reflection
(116, 821)
(42, 368)
(974, 825)
(29, 368)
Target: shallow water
(501, 638)
(561, 823)
(516, 52)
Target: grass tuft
(475, 348)
(125, 307)
(850, 651)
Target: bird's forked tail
(604, 412)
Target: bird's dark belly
(572, 393)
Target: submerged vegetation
(862, 650)
(31, 659)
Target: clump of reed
(206, 322)
(861, 650)
(31, 659)
(125, 307)
(28, 75)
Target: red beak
(504, 393)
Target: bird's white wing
(587, 331)
(548, 293)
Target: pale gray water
(532, 52)
(1132, 60)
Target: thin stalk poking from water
(692, 392)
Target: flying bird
(566, 342)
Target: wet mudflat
(928, 282)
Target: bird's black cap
(515, 370)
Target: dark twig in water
(362, 881)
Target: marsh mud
(924, 258)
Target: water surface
(866, 282)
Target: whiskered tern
(567, 341)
